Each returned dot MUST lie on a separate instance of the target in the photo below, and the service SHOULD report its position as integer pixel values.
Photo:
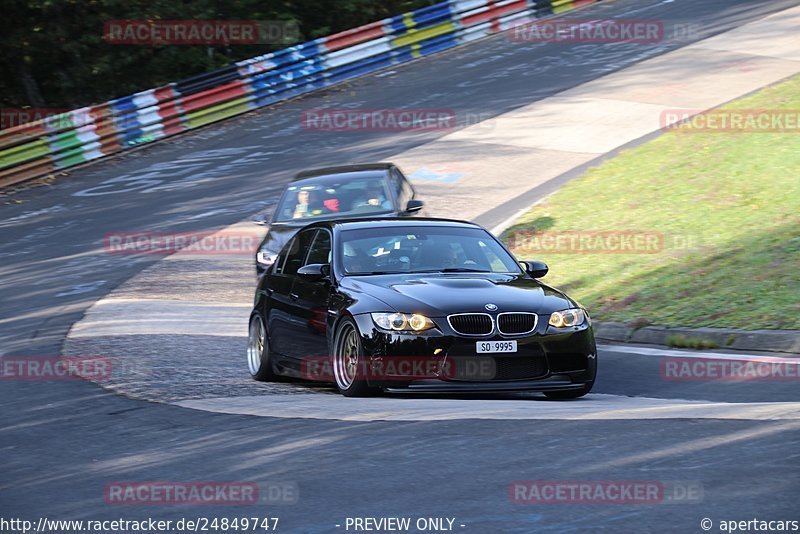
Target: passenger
(373, 196)
(331, 204)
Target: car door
(278, 287)
(309, 304)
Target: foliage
(54, 54)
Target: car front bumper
(440, 360)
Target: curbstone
(787, 341)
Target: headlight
(565, 318)
(266, 257)
(402, 322)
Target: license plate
(495, 346)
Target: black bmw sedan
(416, 305)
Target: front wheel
(349, 361)
(258, 361)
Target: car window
(422, 249)
(397, 184)
(488, 252)
(408, 191)
(297, 251)
(320, 251)
(281, 259)
(335, 196)
(403, 189)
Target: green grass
(684, 342)
(728, 208)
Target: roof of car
(372, 222)
(311, 173)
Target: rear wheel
(258, 361)
(349, 361)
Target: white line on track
(592, 407)
(670, 353)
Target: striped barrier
(33, 150)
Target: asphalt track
(61, 442)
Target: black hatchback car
(334, 193)
(420, 305)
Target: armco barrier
(32, 150)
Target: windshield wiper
(454, 270)
(444, 270)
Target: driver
(437, 256)
(373, 196)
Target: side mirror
(414, 206)
(535, 269)
(314, 271)
(261, 220)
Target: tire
(258, 361)
(348, 359)
(567, 394)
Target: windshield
(337, 195)
(416, 249)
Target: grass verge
(712, 219)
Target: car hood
(437, 295)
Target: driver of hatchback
(373, 196)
